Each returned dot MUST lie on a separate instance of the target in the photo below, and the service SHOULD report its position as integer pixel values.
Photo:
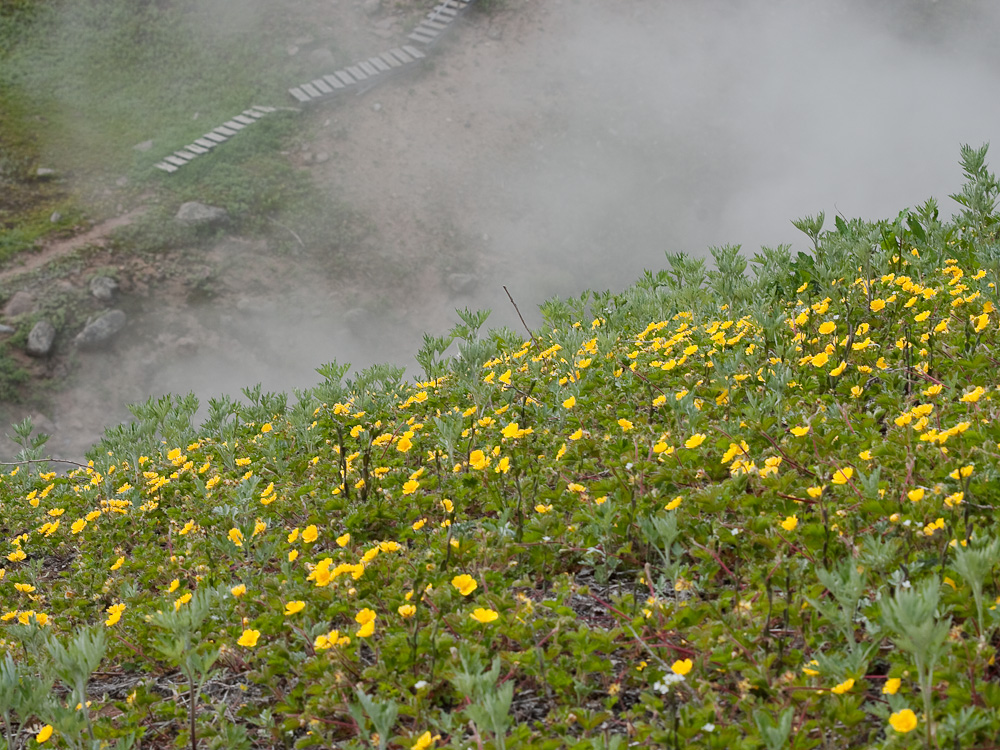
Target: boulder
(198, 214)
(40, 339)
(103, 288)
(19, 304)
(462, 283)
(101, 330)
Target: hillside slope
(713, 510)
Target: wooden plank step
(311, 90)
(379, 64)
(261, 108)
(443, 10)
(233, 125)
(334, 81)
(195, 149)
(413, 52)
(176, 161)
(223, 130)
(252, 113)
(244, 119)
(357, 73)
(205, 143)
(186, 155)
(215, 137)
(299, 94)
(391, 60)
(432, 24)
(169, 168)
(401, 56)
(368, 68)
(421, 38)
(322, 86)
(346, 77)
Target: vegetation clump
(717, 509)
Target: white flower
(420, 684)
(708, 727)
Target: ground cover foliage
(721, 508)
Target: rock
(462, 283)
(494, 32)
(377, 107)
(101, 330)
(19, 304)
(6, 330)
(322, 59)
(321, 158)
(40, 339)
(371, 7)
(45, 172)
(194, 213)
(144, 146)
(103, 288)
(55, 217)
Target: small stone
(55, 217)
(103, 288)
(40, 339)
(322, 157)
(100, 331)
(6, 330)
(144, 146)
(371, 7)
(22, 302)
(377, 107)
(45, 172)
(194, 213)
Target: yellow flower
(78, 525)
(790, 523)
(43, 734)
(674, 504)
(916, 495)
(570, 402)
(365, 616)
(465, 584)
(417, 525)
(841, 476)
(236, 536)
(24, 588)
(877, 304)
(114, 614)
(366, 630)
(838, 369)
(814, 492)
(542, 508)
(266, 427)
(238, 590)
(406, 610)
(424, 741)
(249, 638)
(973, 396)
(820, 359)
(182, 600)
(483, 616)
(681, 666)
(478, 460)
(800, 430)
(903, 721)
(410, 487)
(843, 687)
(292, 608)
(404, 444)
(343, 540)
(174, 585)
(891, 686)
(625, 425)
(576, 435)
(828, 327)
(694, 441)
(310, 534)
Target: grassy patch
(717, 509)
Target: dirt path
(52, 251)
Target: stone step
(299, 94)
